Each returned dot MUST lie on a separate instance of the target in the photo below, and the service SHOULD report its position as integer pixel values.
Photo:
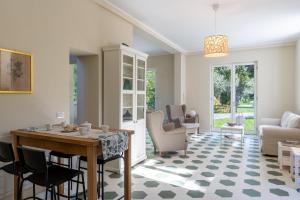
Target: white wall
(164, 67)
(179, 78)
(48, 30)
(297, 77)
(275, 80)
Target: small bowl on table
(231, 123)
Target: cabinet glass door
(127, 108)
(140, 92)
(128, 72)
(141, 68)
(140, 106)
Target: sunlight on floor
(169, 175)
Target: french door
(233, 94)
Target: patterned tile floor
(212, 169)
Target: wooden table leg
(91, 172)
(127, 175)
(15, 144)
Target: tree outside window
(150, 89)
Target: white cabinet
(124, 96)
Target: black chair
(101, 162)
(49, 176)
(14, 167)
(69, 164)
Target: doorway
(84, 89)
(151, 89)
(233, 94)
(73, 90)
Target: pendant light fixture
(215, 45)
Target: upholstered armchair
(171, 139)
(177, 114)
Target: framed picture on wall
(15, 72)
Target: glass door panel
(128, 71)
(127, 107)
(140, 113)
(221, 96)
(141, 85)
(141, 89)
(245, 96)
(141, 67)
(140, 100)
(234, 96)
(140, 106)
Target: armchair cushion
(181, 130)
(169, 126)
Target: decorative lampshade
(215, 46)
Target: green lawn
(249, 123)
(245, 109)
(240, 109)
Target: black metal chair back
(33, 160)
(6, 152)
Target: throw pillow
(169, 126)
(285, 119)
(177, 123)
(294, 121)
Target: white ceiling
(248, 23)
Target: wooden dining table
(88, 147)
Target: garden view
(150, 89)
(242, 88)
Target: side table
(295, 159)
(233, 129)
(284, 152)
(191, 127)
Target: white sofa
(273, 130)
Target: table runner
(113, 143)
